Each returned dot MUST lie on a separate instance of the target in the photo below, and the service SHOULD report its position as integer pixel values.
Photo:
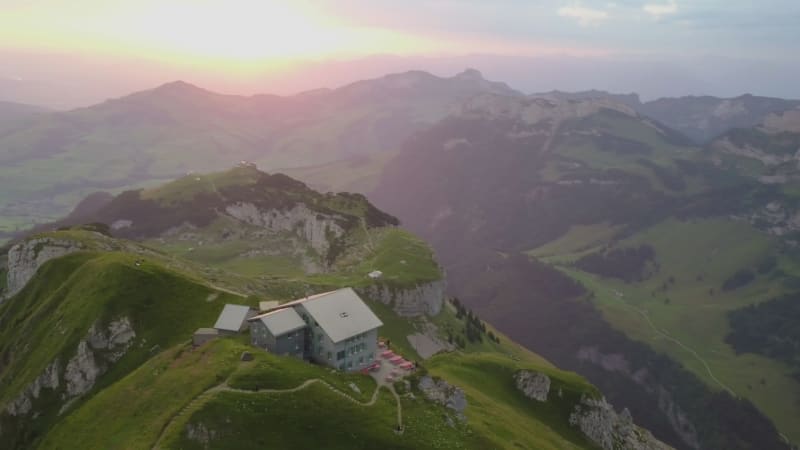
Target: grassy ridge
(132, 412)
(71, 294)
(136, 403)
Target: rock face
(25, 258)
(316, 228)
(82, 371)
(611, 431)
(424, 299)
(533, 110)
(85, 367)
(94, 355)
(115, 339)
(200, 434)
(445, 394)
(47, 380)
(535, 385)
(615, 362)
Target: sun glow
(249, 29)
(196, 31)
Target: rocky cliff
(444, 393)
(597, 420)
(614, 362)
(95, 354)
(423, 299)
(316, 228)
(533, 110)
(25, 258)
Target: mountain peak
(180, 86)
(470, 74)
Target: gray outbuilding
(203, 335)
(233, 319)
(281, 332)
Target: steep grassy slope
(76, 297)
(498, 415)
(488, 381)
(141, 398)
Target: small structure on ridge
(334, 328)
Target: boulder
(442, 392)
(535, 385)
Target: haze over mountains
(165, 132)
(83, 81)
(625, 240)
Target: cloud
(585, 16)
(660, 9)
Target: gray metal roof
(341, 314)
(281, 321)
(232, 317)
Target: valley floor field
(681, 310)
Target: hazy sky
(237, 42)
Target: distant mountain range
(47, 163)
(699, 118)
(10, 111)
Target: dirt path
(307, 383)
(208, 394)
(399, 408)
(667, 336)
(222, 289)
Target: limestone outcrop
(316, 228)
(25, 258)
(535, 385)
(616, 362)
(534, 110)
(424, 299)
(48, 379)
(597, 420)
(94, 355)
(444, 393)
